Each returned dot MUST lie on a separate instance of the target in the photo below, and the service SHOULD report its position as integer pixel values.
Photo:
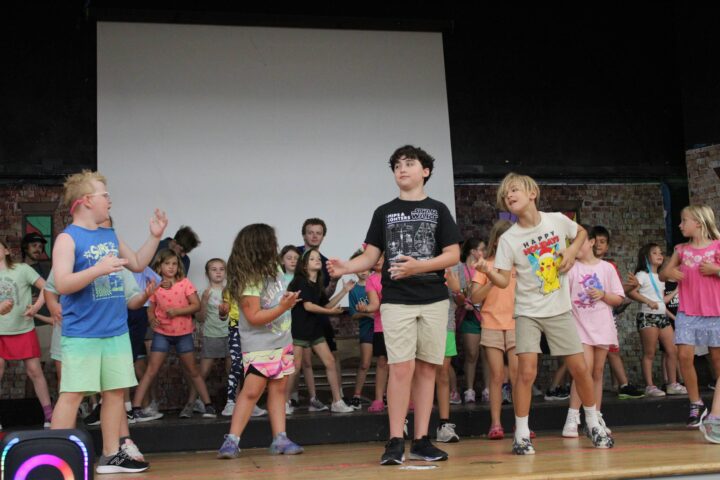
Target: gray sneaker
(187, 411)
(446, 433)
(198, 406)
(316, 405)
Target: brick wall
(703, 181)
(632, 212)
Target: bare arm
(671, 270)
(635, 295)
(347, 286)
(313, 308)
(568, 256)
(405, 266)
(32, 310)
(499, 278)
(194, 306)
(52, 301)
(480, 292)
(257, 316)
(373, 304)
(67, 282)
(337, 268)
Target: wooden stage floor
(640, 452)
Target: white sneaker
(198, 406)
(570, 430)
(317, 406)
(340, 407)
(446, 433)
(676, 389)
(469, 395)
(289, 409)
(229, 409)
(653, 391)
(601, 421)
(485, 395)
(45, 425)
(258, 412)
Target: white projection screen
(223, 126)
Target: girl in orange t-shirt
(498, 329)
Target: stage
(640, 452)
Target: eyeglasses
(80, 200)
(104, 194)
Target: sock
(522, 430)
(591, 417)
(699, 402)
(280, 435)
(574, 412)
(136, 409)
(128, 406)
(443, 421)
(712, 417)
(623, 385)
(47, 411)
(122, 439)
(234, 438)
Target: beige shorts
(560, 331)
(415, 331)
(501, 339)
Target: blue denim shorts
(182, 343)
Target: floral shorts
(271, 364)
(647, 320)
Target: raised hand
(482, 266)
(158, 223)
(150, 288)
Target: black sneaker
(355, 403)
(210, 412)
(130, 416)
(423, 449)
(94, 417)
(394, 452)
(697, 411)
(557, 393)
(120, 463)
(630, 391)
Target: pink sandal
(496, 433)
(376, 406)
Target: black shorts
(379, 349)
(329, 333)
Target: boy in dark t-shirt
(419, 239)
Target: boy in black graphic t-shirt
(419, 239)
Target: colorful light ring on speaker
(56, 462)
(44, 459)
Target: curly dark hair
(417, 153)
(254, 258)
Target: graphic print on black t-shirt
(412, 235)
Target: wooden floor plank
(639, 451)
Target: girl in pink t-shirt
(695, 265)
(595, 289)
(373, 288)
(170, 315)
